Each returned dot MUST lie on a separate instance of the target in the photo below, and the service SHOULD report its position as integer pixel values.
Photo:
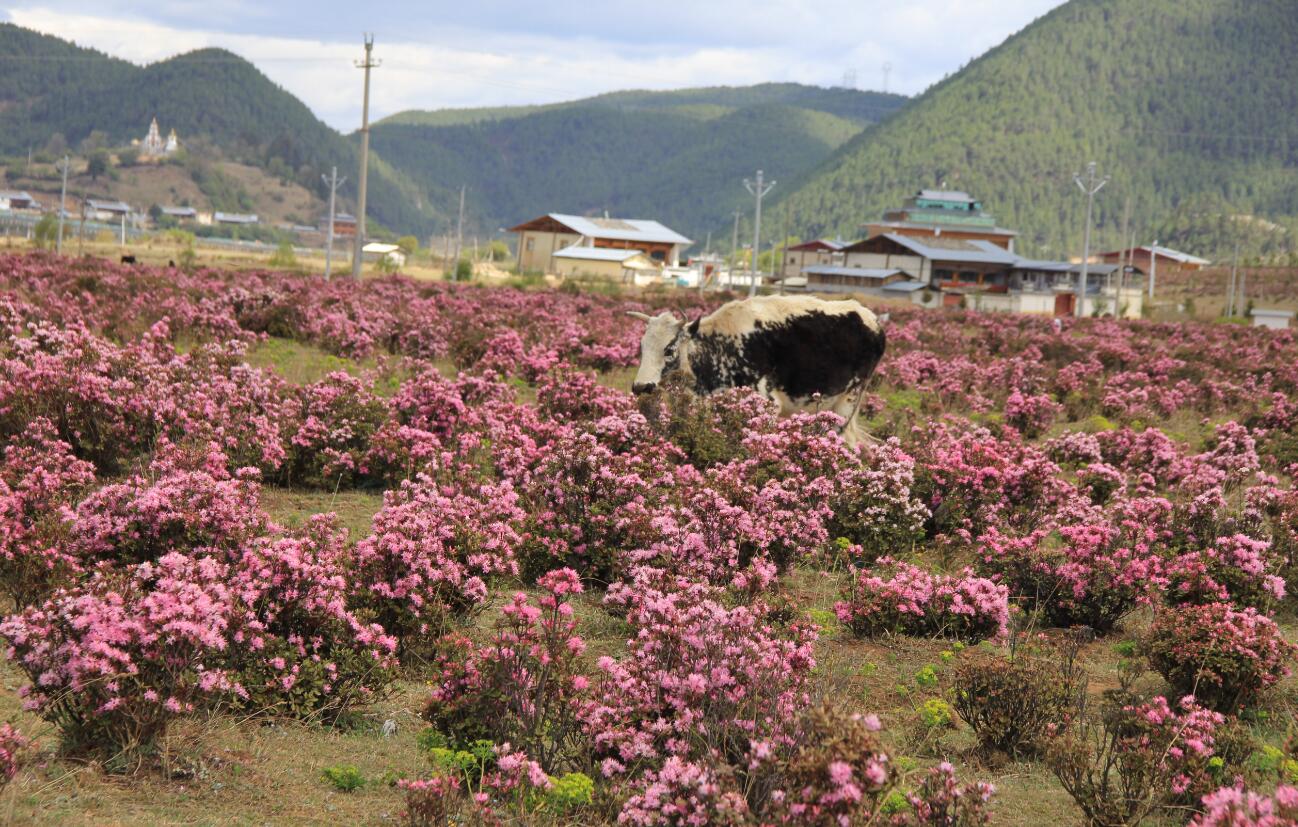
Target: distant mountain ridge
(1191, 106)
(676, 156)
(52, 86)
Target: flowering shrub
(1031, 414)
(39, 479)
(1222, 655)
(1237, 807)
(905, 599)
(941, 800)
(110, 663)
(12, 743)
(700, 682)
(297, 650)
(873, 506)
(186, 511)
(1237, 569)
(1099, 574)
(430, 552)
(1137, 758)
(525, 687)
(328, 427)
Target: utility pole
(63, 199)
(1123, 256)
(334, 183)
(1230, 289)
(1153, 270)
(1243, 293)
(367, 64)
(734, 244)
(758, 188)
(459, 238)
(1090, 183)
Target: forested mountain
(679, 157)
(1190, 105)
(51, 87)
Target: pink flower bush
(1237, 569)
(430, 553)
(12, 743)
(904, 599)
(111, 662)
(39, 480)
(525, 687)
(1225, 656)
(1031, 414)
(1238, 807)
(327, 429)
(698, 680)
(186, 511)
(296, 648)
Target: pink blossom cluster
(899, 598)
(1239, 807)
(1224, 655)
(12, 743)
(431, 552)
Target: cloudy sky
(488, 52)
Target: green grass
(291, 507)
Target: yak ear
(636, 314)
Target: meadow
(280, 551)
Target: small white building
(381, 251)
(18, 200)
(97, 210)
(1273, 319)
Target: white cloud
(584, 49)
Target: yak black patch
(810, 353)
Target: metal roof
(380, 247)
(235, 218)
(1165, 252)
(20, 195)
(835, 244)
(854, 272)
(945, 195)
(108, 206)
(955, 228)
(977, 251)
(597, 253)
(1043, 266)
(621, 229)
(905, 286)
(179, 211)
(1276, 314)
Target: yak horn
(636, 314)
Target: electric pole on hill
(459, 239)
(758, 188)
(1090, 183)
(63, 200)
(1234, 279)
(368, 63)
(334, 183)
(734, 246)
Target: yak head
(662, 350)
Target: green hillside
(1190, 105)
(210, 96)
(677, 156)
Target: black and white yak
(804, 353)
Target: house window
(531, 244)
(657, 255)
